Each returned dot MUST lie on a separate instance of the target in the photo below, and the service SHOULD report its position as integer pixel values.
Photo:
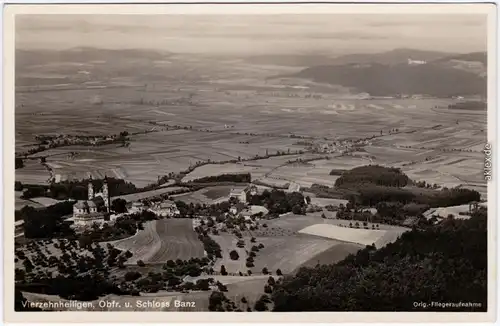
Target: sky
(256, 34)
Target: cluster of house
(166, 208)
(339, 146)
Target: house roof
(238, 189)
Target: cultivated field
(288, 252)
(143, 245)
(206, 195)
(148, 194)
(289, 224)
(333, 255)
(162, 240)
(20, 203)
(33, 172)
(359, 236)
(444, 212)
(178, 241)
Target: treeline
(371, 195)
(211, 246)
(374, 174)
(48, 141)
(372, 185)
(445, 263)
(82, 288)
(279, 202)
(232, 177)
(46, 222)
(72, 274)
(76, 189)
(191, 210)
(170, 279)
(468, 105)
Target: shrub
(132, 276)
(234, 255)
(223, 270)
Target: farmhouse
(241, 193)
(136, 207)
(95, 209)
(293, 187)
(165, 208)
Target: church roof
(81, 204)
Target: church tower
(90, 189)
(105, 193)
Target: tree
(261, 305)
(19, 163)
(203, 285)
(265, 271)
(119, 205)
(216, 300)
(18, 186)
(132, 276)
(234, 255)
(223, 270)
(84, 241)
(140, 263)
(278, 272)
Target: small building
(165, 208)
(136, 207)
(293, 187)
(242, 193)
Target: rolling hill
(433, 79)
(393, 57)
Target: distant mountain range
(390, 74)
(84, 54)
(306, 60)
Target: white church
(93, 210)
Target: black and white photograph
(279, 162)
